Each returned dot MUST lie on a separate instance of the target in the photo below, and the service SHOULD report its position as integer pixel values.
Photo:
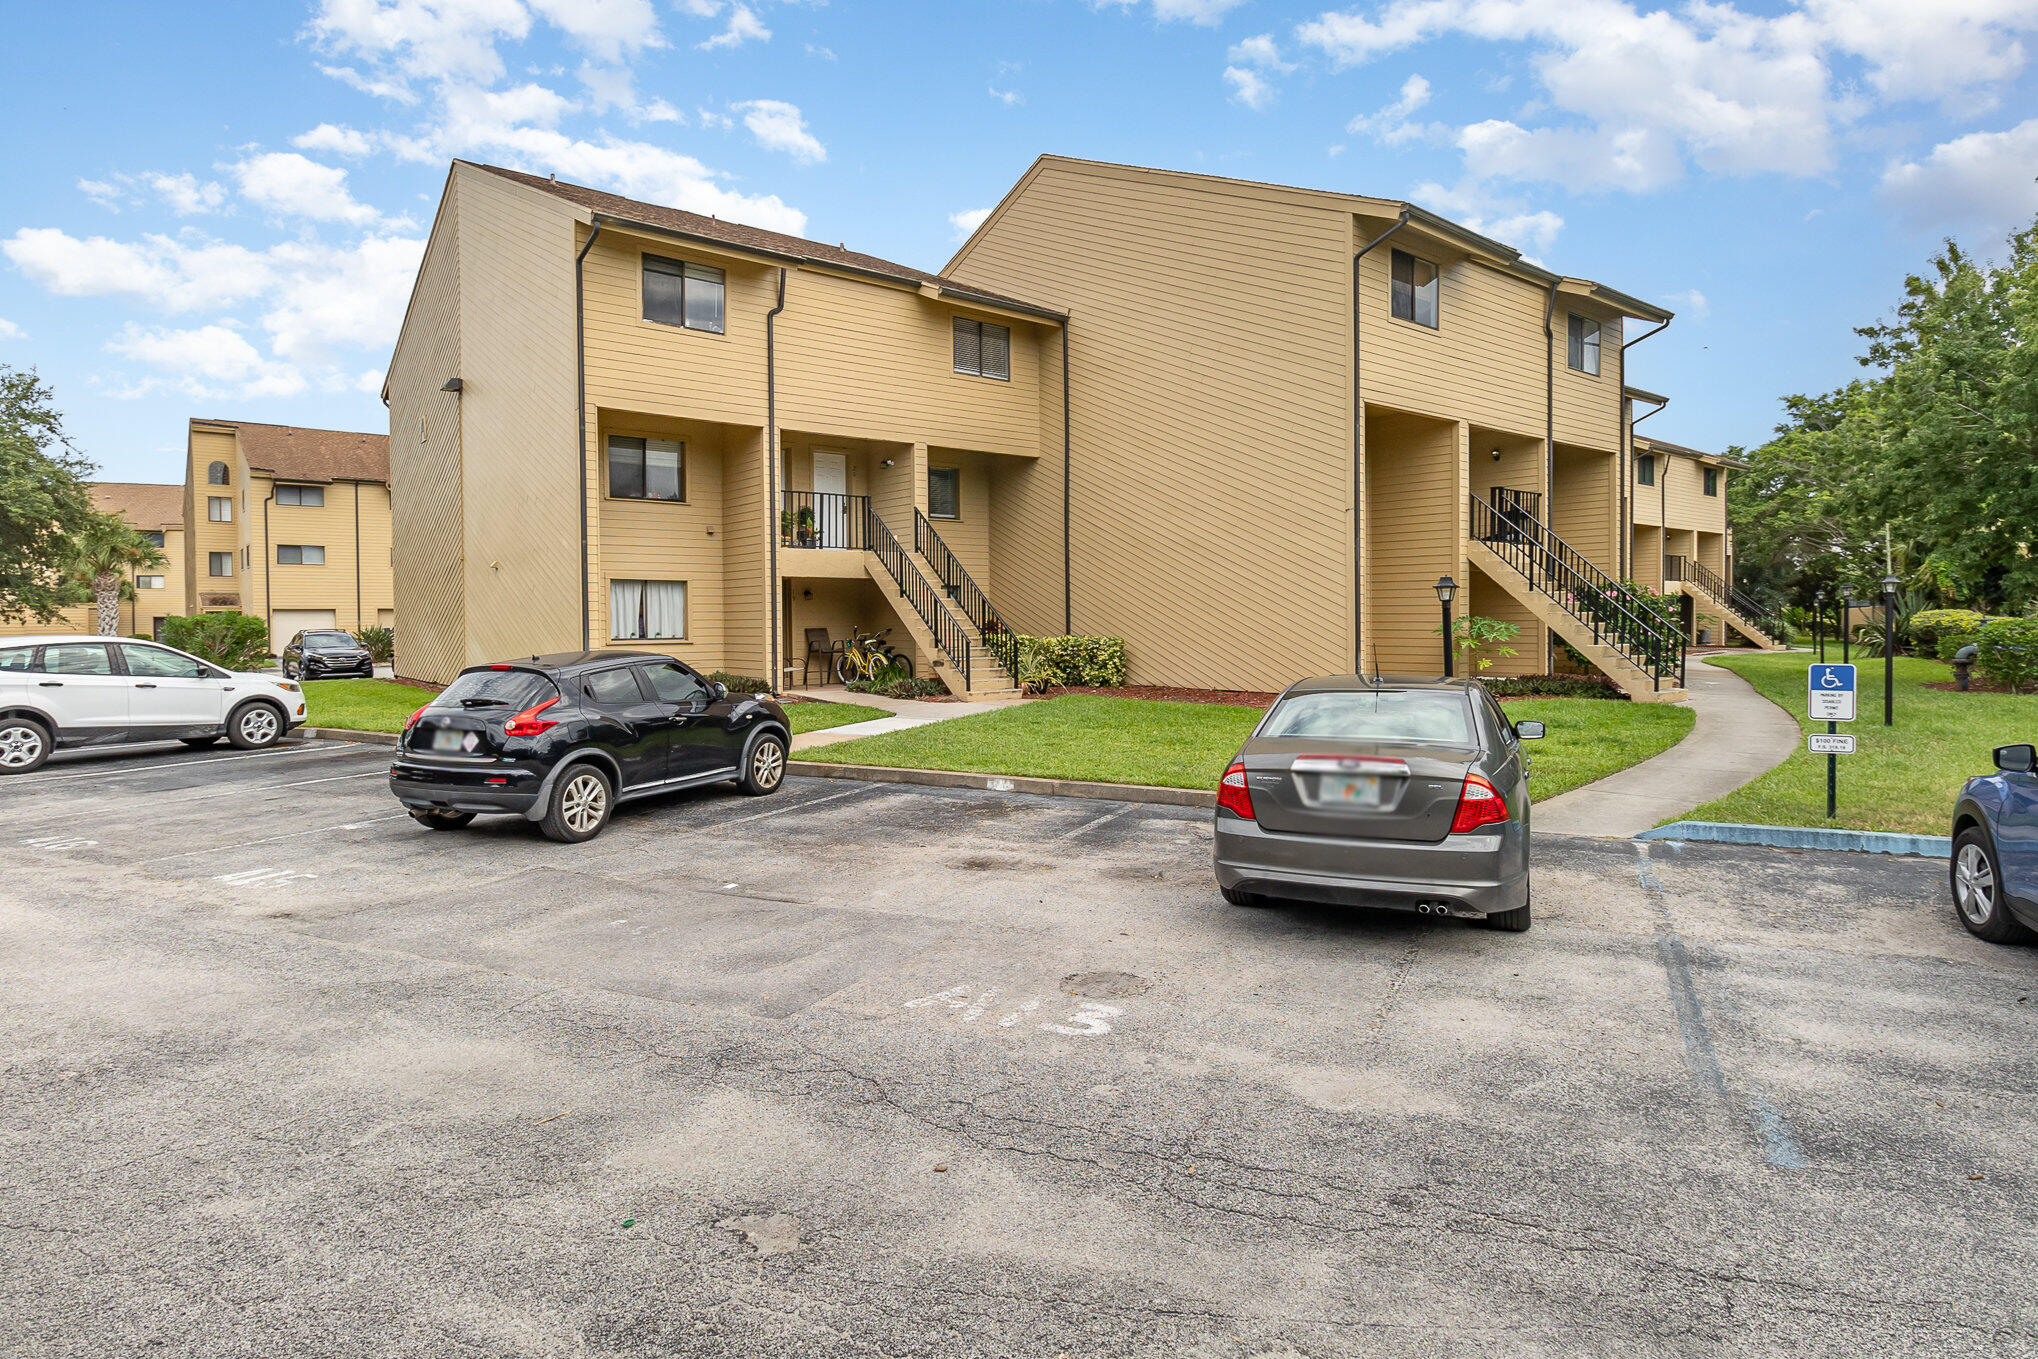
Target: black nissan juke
(561, 739)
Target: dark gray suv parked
(1405, 794)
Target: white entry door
(831, 498)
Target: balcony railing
(1676, 568)
(824, 519)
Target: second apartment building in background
(291, 525)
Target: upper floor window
(1415, 289)
(646, 469)
(219, 564)
(300, 554)
(1584, 349)
(148, 582)
(215, 475)
(680, 294)
(153, 539)
(983, 348)
(944, 493)
(219, 509)
(1645, 469)
(300, 495)
(1712, 481)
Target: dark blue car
(1995, 849)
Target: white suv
(88, 691)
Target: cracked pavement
(871, 1069)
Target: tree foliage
(44, 504)
(233, 641)
(1940, 447)
(103, 555)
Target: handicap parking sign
(1831, 692)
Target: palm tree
(102, 559)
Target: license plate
(1349, 790)
(453, 742)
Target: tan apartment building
(157, 513)
(1245, 427)
(291, 525)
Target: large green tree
(44, 504)
(1939, 451)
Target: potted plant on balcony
(804, 519)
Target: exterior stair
(1598, 616)
(1713, 594)
(939, 628)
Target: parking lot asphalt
(868, 1069)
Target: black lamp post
(1889, 584)
(1447, 589)
(1846, 604)
(1819, 623)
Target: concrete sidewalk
(1739, 735)
(906, 712)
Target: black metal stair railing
(822, 519)
(1616, 616)
(1714, 584)
(976, 606)
(949, 634)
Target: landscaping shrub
(1039, 663)
(380, 642)
(1928, 626)
(1553, 686)
(2006, 653)
(236, 641)
(739, 684)
(1949, 643)
(920, 686)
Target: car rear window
(1374, 715)
(518, 689)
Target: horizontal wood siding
(1412, 538)
(969, 534)
(1587, 513)
(1483, 362)
(659, 540)
(1588, 406)
(746, 528)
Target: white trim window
(301, 495)
(220, 565)
(300, 554)
(148, 582)
(219, 509)
(647, 610)
(1582, 352)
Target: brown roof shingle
(756, 238)
(146, 505)
(297, 454)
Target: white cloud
(205, 361)
(393, 90)
(175, 274)
(615, 87)
(815, 50)
(404, 40)
(967, 222)
(779, 126)
(1204, 12)
(185, 195)
(10, 331)
(1007, 97)
(1248, 87)
(1390, 125)
(103, 192)
(744, 26)
(1983, 179)
(297, 186)
(1690, 304)
(609, 29)
(1261, 51)
(334, 140)
(1506, 220)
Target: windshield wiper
(483, 703)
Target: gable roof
(1686, 451)
(297, 454)
(146, 505)
(757, 241)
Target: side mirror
(719, 690)
(1528, 730)
(2017, 759)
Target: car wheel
(765, 770)
(199, 742)
(286, 671)
(1238, 898)
(24, 745)
(1977, 879)
(581, 801)
(442, 820)
(255, 726)
(1514, 921)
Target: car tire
(764, 766)
(199, 742)
(1514, 921)
(25, 745)
(1238, 898)
(255, 726)
(581, 801)
(442, 820)
(1976, 878)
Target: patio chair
(819, 644)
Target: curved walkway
(1738, 736)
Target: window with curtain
(646, 469)
(1712, 481)
(647, 610)
(680, 294)
(983, 348)
(300, 495)
(219, 509)
(944, 493)
(1583, 353)
(148, 582)
(220, 564)
(1645, 470)
(1414, 289)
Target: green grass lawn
(1901, 778)
(379, 705)
(1185, 745)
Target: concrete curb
(373, 738)
(1805, 837)
(1007, 783)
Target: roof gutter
(1359, 451)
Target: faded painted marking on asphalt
(1778, 1146)
(967, 1003)
(795, 807)
(136, 767)
(272, 839)
(59, 842)
(1403, 967)
(333, 778)
(1096, 821)
(1670, 952)
(262, 877)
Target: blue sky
(224, 218)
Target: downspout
(268, 566)
(1359, 456)
(1550, 443)
(580, 439)
(359, 622)
(1627, 485)
(1068, 608)
(771, 470)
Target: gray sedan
(1405, 794)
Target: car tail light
(1480, 804)
(1233, 795)
(413, 720)
(528, 723)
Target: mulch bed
(1234, 698)
(1976, 685)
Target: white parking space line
(272, 839)
(138, 767)
(331, 778)
(796, 807)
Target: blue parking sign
(1830, 692)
